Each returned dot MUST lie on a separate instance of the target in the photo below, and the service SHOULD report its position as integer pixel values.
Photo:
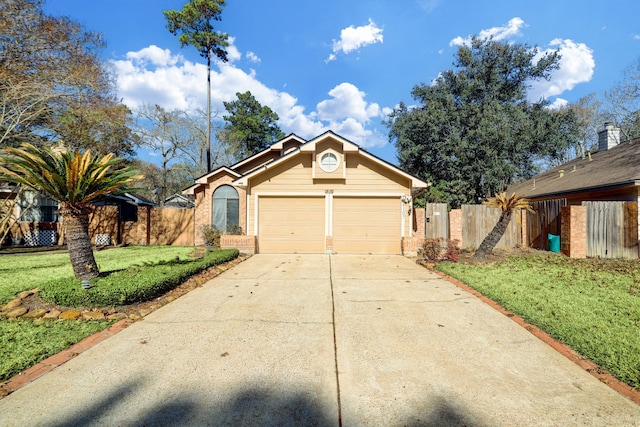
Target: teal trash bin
(554, 243)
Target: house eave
(564, 193)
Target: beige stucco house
(325, 195)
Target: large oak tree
(473, 132)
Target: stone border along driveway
(321, 340)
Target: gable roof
(205, 178)
(277, 146)
(616, 167)
(348, 146)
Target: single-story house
(590, 202)
(612, 173)
(325, 195)
(38, 222)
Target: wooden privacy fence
(612, 229)
(154, 226)
(546, 220)
(436, 221)
(479, 220)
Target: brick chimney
(608, 137)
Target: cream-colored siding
(360, 211)
(366, 225)
(291, 225)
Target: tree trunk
(492, 239)
(76, 228)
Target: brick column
(455, 227)
(573, 240)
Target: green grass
(22, 272)
(24, 343)
(132, 274)
(591, 305)
(135, 284)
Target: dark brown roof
(616, 167)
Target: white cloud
(558, 103)
(353, 38)
(347, 101)
(155, 76)
(576, 66)
(636, 36)
(512, 28)
(233, 54)
(251, 56)
(154, 55)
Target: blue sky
(343, 65)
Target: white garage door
(366, 225)
(291, 225)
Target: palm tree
(506, 205)
(74, 180)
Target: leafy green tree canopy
(474, 132)
(193, 26)
(251, 126)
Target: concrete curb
(586, 364)
(58, 359)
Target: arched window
(226, 208)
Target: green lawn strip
(24, 343)
(586, 304)
(22, 272)
(135, 284)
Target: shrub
(133, 285)
(439, 249)
(211, 236)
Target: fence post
(573, 240)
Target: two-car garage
(340, 224)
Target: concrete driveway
(261, 345)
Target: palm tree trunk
(492, 239)
(76, 228)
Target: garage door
(366, 225)
(291, 225)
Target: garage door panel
(366, 225)
(291, 225)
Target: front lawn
(591, 305)
(23, 343)
(128, 276)
(23, 272)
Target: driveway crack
(335, 342)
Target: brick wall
(328, 242)
(418, 222)
(245, 244)
(204, 199)
(410, 245)
(455, 226)
(573, 240)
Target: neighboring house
(326, 195)
(610, 174)
(590, 202)
(39, 224)
(179, 201)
